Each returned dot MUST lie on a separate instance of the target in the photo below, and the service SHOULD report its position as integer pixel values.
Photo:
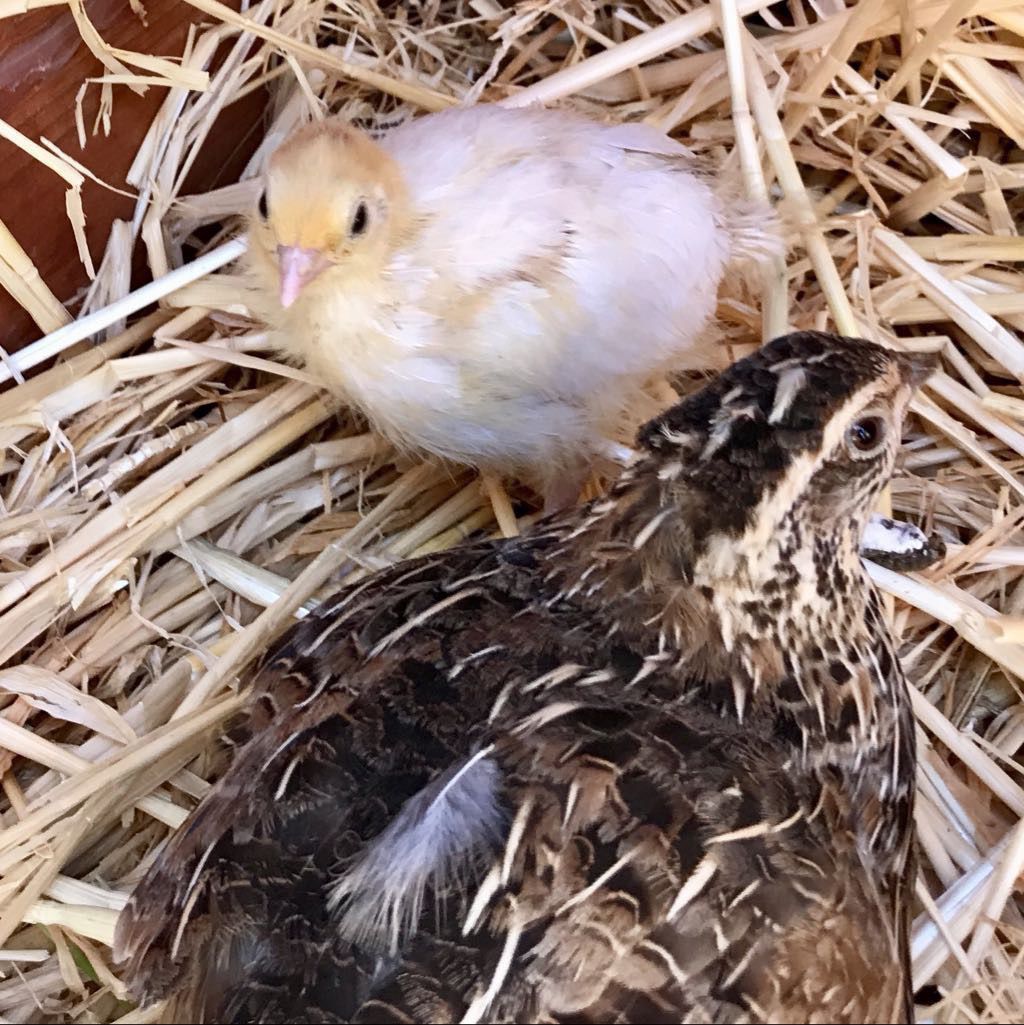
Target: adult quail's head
(791, 444)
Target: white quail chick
(494, 285)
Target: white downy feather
(436, 840)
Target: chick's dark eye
(360, 220)
(262, 206)
(867, 433)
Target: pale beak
(298, 268)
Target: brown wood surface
(42, 66)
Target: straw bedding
(173, 496)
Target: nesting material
(173, 495)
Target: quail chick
(653, 762)
(473, 280)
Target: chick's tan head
(330, 209)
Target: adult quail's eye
(262, 205)
(360, 220)
(866, 435)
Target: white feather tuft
(756, 231)
(439, 837)
(791, 382)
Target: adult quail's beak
(917, 367)
(298, 267)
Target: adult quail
(652, 762)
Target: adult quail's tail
(327, 988)
(231, 924)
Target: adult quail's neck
(800, 586)
(785, 633)
(786, 616)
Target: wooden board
(42, 66)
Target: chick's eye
(360, 220)
(262, 206)
(866, 435)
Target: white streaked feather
(695, 882)
(487, 889)
(437, 839)
(478, 1008)
(723, 423)
(791, 383)
(719, 434)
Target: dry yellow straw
(163, 487)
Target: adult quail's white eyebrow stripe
(420, 618)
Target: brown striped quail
(653, 762)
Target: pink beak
(298, 268)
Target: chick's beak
(298, 267)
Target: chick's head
(331, 210)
